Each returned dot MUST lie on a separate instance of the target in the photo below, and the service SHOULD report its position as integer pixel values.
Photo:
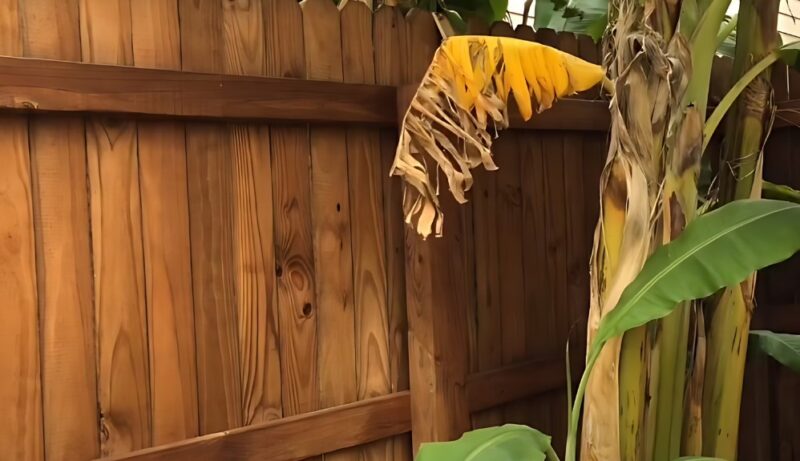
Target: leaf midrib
(671, 266)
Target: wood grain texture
(167, 251)
(578, 247)
(10, 28)
(389, 37)
(20, 390)
(254, 260)
(489, 314)
(120, 304)
(288, 439)
(211, 229)
(556, 262)
(61, 216)
(106, 31)
(489, 389)
(212, 223)
(47, 86)
(389, 41)
(509, 254)
(367, 226)
(330, 208)
(19, 332)
(541, 337)
(253, 243)
(156, 34)
(65, 272)
(168, 278)
(51, 29)
(294, 254)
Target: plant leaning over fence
(649, 199)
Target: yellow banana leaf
(466, 87)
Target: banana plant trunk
(746, 130)
(659, 57)
(649, 65)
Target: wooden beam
(490, 389)
(566, 114)
(31, 85)
(437, 296)
(295, 437)
(60, 86)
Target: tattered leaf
(466, 88)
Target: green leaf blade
(719, 249)
(784, 348)
(511, 442)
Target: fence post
(438, 345)
(437, 289)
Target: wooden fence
(202, 256)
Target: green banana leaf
(782, 347)
(511, 442)
(718, 249)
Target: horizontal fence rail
(60, 86)
(43, 85)
(295, 437)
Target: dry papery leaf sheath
(467, 86)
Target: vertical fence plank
(253, 243)
(61, 214)
(508, 219)
(19, 332)
(541, 338)
(51, 29)
(556, 256)
(367, 225)
(167, 251)
(437, 292)
(389, 37)
(540, 322)
(489, 316)
(333, 259)
(64, 264)
(211, 232)
(293, 243)
(20, 389)
(120, 306)
(556, 261)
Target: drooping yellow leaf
(467, 86)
